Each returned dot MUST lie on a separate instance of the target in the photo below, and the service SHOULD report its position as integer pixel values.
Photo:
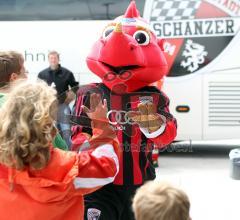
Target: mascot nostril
(103, 41)
(128, 58)
(132, 46)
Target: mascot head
(128, 53)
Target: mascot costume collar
(128, 53)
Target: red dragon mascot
(128, 58)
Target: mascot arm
(170, 128)
(162, 128)
(167, 136)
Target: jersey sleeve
(81, 129)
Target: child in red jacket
(38, 181)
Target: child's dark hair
(10, 62)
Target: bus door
(186, 104)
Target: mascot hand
(147, 117)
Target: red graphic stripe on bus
(207, 10)
(172, 49)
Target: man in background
(62, 80)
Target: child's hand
(98, 114)
(98, 110)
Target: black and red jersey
(136, 163)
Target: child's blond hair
(27, 126)
(160, 201)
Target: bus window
(30, 10)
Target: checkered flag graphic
(174, 9)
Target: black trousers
(111, 202)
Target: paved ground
(205, 176)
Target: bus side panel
(186, 92)
(72, 39)
(221, 105)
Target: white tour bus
(202, 49)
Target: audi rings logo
(120, 117)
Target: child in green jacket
(12, 69)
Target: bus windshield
(30, 10)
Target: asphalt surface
(203, 172)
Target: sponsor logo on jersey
(93, 214)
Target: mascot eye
(108, 31)
(142, 37)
